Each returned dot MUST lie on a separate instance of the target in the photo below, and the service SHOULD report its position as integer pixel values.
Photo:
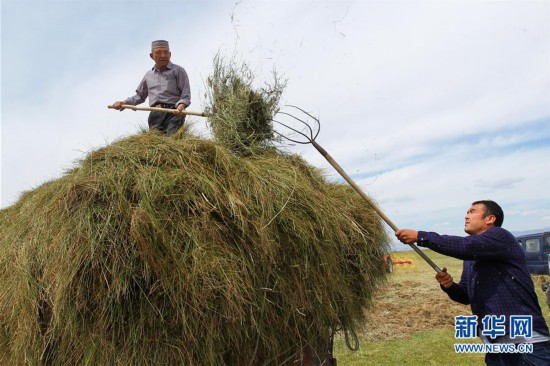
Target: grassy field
(412, 320)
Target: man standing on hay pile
(167, 86)
(495, 282)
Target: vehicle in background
(537, 250)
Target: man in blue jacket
(495, 281)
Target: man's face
(476, 222)
(161, 56)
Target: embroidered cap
(159, 44)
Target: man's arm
(141, 94)
(456, 291)
(492, 244)
(183, 84)
(495, 243)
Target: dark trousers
(539, 357)
(165, 122)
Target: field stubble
(411, 300)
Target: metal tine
(309, 137)
(317, 122)
(293, 129)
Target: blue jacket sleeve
(495, 243)
(459, 291)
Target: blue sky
(427, 105)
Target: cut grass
(240, 112)
(165, 251)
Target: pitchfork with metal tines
(310, 135)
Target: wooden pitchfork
(310, 135)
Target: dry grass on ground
(412, 301)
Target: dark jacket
(495, 279)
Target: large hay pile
(157, 250)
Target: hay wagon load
(156, 250)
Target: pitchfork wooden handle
(156, 109)
(381, 213)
